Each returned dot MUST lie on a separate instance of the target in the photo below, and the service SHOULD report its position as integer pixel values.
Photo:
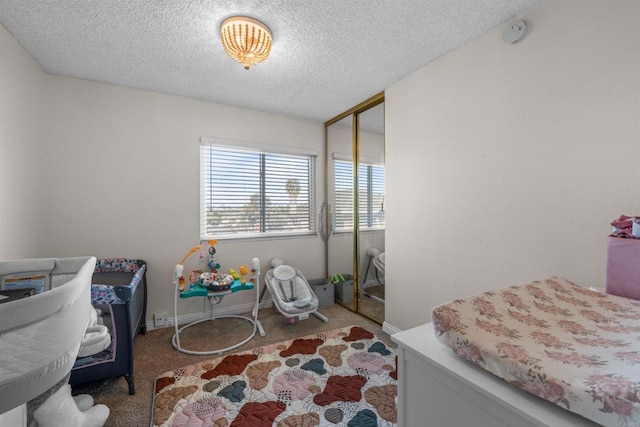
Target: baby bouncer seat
(375, 289)
(378, 262)
(378, 259)
(292, 295)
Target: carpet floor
(375, 291)
(154, 354)
(372, 309)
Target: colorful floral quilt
(572, 346)
(344, 377)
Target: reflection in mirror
(355, 192)
(371, 213)
(340, 198)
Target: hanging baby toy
(197, 275)
(201, 282)
(178, 278)
(212, 264)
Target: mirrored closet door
(355, 210)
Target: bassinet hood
(40, 335)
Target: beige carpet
(375, 291)
(372, 308)
(154, 354)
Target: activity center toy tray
(197, 290)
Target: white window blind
(343, 194)
(255, 193)
(371, 192)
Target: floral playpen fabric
(572, 346)
(344, 377)
(109, 294)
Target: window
(370, 195)
(255, 192)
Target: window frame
(261, 149)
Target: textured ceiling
(327, 55)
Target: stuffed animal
(63, 410)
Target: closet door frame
(354, 112)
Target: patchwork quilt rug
(344, 377)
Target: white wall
(22, 137)
(506, 163)
(94, 169)
(124, 181)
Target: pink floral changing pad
(577, 348)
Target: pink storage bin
(623, 267)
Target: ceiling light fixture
(246, 40)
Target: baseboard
(193, 317)
(390, 329)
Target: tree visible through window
(252, 193)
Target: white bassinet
(292, 295)
(40, 335)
